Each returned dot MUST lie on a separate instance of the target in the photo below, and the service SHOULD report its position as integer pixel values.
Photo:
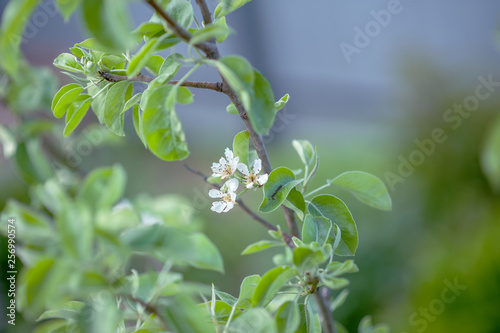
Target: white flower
(228, 195)
(226, 166)
(252, 177)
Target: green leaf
(305, 150)
(295, 201)
(149, 30)
(76, 111)
(339, 300)
(110, 61)
(154, 64)
(366, 326)
(241, 146)
(316, 229)
(260, 246)
(226, 298)
(336, 211)
(33, 283)
(278, 186)
(161, 125)
(183, 315)
(68, 7)
(116, 98)
(181, 12)
(14, 18)
(31, 163)
(142, 57)
(365, 187)
(288, 317)
(99, 99)
(231, 109)
(227, 6)
(219, 30)
(74, 224)
(194, 249)
(282, 102)
(132, 101)
(137, 115)
(334, 283)
(240, 75)
(338, 268)
(490, 156)
(8, 142)
(312, 318)
(270, 284)
(103, 187)
(306, 258)
(255, 320)
(184, 95)
(247, 289)
(262, 112)
(68, 62)
(108, 22)
(168, 69)
(64, 97)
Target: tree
(77, 239)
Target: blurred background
(371, 83)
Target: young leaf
(339, 300)
(255, 320)
(366, 326)
(335, 210)
(181, 12)
(240, 75)
(68, 7)
(64, 97)
(154, 64)
(288, 317)
(270, 284)
(66, 61)
(241, 146)
(219, 30)
(116, 98)
(141, 58)
(168, 69)
(247, 290)
(339, 268)
(305, 150)
(137, 115)
(231, 109)
(108, 22)
(76, 112)
(260, 246)
(316, 229)
(295, 201)
(282, 102)
(281, 181)
(8, 142)
(262, 112)
(162, 128)
(306, 259)
(333, 283)
(365, 187)
(103, 187)
(227, 6)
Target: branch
(217, 86)
(149, 308)
(209, 48)
(205, 12)
(322, 300)
(243, 206)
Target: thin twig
(217, 86)
(149, 308)
(205, 12)
(209, 48)
(243, 206)
(328, 321)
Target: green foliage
(80, 239)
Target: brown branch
(217, 86)
(209, 48)
(322, 300)
(243, 206)
(205, 12)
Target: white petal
(215, 193)
(232, 185)
(243, 169)
(234, 163)
(229, 154)
(218, 206)
(233, 196)
(263, 179)
(249, 185)
(229, 206)
(257, 166)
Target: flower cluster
(229, 167)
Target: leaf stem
(317, 190)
